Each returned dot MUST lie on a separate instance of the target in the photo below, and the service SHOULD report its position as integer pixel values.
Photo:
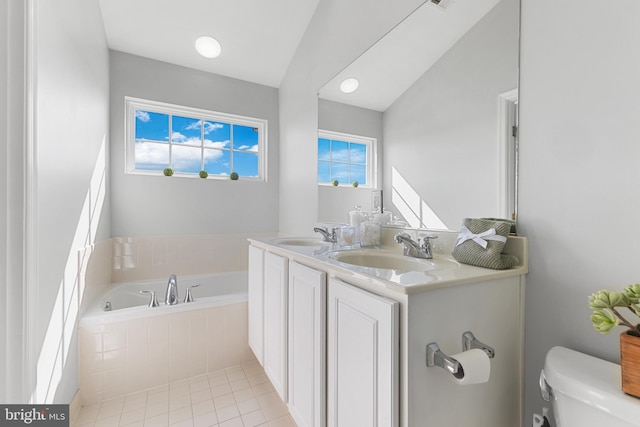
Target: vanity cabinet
(329, 348)
(345, 347)
(275, 321)
(362, 358)
(307, 345)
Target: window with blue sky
(345, 158)
(189, 140)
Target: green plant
(167, 171)
(354, 183)
(335, 182)
(234, 176)
(606, 304)
(203, 174)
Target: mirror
(439, 95)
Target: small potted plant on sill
(607, 307)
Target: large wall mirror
(439, 95)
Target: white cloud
(340, 155)
(253, 149)
(195, 125)
(216, 144)
(179, 138)
(358, 157)
(149, 153)
(183, 157)
(143, 116)
(210, 127)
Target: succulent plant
(606, 304)
(234, 176)
(167, 171)
(203, 174)
(335, 182)
(354, 184)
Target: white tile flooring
(240, 396)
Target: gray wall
(579, 176)
(335, 202)
(11, 196)
(339, 31)
(71, 200)
(441, 135)
(158, 205)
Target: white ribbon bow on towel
(481, 238)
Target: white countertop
(404, 282)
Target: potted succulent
(608, 308)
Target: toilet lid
(590, 380)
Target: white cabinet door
(362, 358)
(275, 321)
(255, 293)
(307, 319)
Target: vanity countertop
(442, 271)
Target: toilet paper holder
(436, 357)
(469, 342)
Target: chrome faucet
(172, 291)
(415, 249)
(328, 236)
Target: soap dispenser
(357, 217)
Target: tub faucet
(329, 236)
(172, 291)
(415, 249)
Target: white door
(275, 321)
(255, 293)
(307, 319)
(362, 358)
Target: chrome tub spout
(172, 291)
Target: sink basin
(302, 241)
(390, 261)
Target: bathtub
(125, 301)
(134, 347)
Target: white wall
(579, 175)
(12, 27)
(335, 202)
(441, 146)
(338, 32)
(71, 139)
(158, 205)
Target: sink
(302, 241)
(390, 261)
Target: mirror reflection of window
(345, 159)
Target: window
(346, 158)
(190, 140)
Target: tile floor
(240, 396)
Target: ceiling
(405, 53)
(258, 37)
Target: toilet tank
(586, 391)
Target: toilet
(585, 391)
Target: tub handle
(188, 297)
(154, 301)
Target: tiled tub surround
(118, 358)
(127, 356)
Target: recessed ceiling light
(208, 47)
(349, 85)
